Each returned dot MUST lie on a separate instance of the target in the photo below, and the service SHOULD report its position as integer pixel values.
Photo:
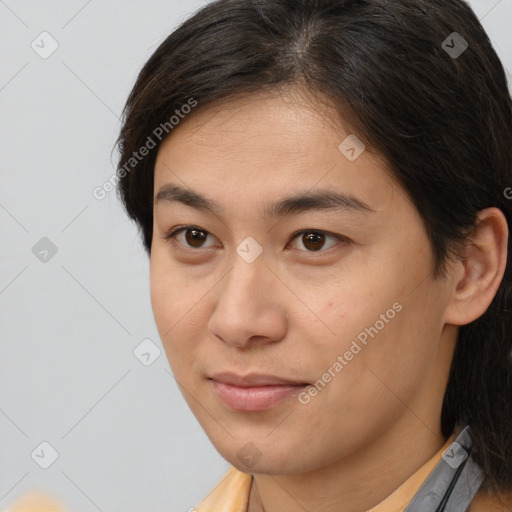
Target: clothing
(232, 492)
(35, 501)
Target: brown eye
(314, 241)
(194, 237)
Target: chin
(261, 455)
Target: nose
(250, 306)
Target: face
(302, 274)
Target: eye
(193, 238)
(314, 240)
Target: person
(323, 188)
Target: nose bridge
(243, 283)
(246, 305)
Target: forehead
(265, 144)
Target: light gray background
(69, 325)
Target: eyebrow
(296, 204)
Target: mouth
(253, 393)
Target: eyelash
(172, 235)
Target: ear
(478, 275)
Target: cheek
(345, 312)
(179, 307)
(364, 327)
(170, 290)
(385, 363)
(168, 304)
(162, 295)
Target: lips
(255, 392)
(254, 379)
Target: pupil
(316, 239)
(195, 239)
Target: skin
(294, 310)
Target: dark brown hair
(441, 119)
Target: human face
(306, 301)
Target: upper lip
(254, 379)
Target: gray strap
(453, 483)
(466, 487)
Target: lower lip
(253, 399)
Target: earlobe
(478, 275)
